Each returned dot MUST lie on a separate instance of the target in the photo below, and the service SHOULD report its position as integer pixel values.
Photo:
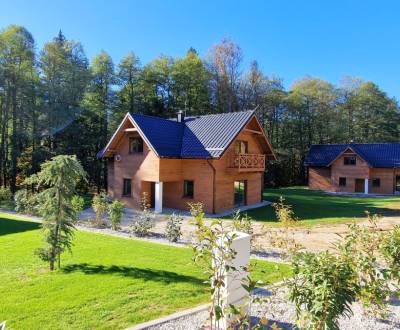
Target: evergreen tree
(58, 178)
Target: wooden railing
(249, 162)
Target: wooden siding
(327, 179)
(147, 167)
(350, 172)
(320, 178)
(137, 167)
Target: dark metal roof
(164, 135)
(196, 137)
(375, 154)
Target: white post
(366, 186)
(158, 197)
(233, 291)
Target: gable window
(376, 182)
(188, 189)
(350, 160)
(342, 182)
(241, 147)
(127, 187)
(135, 145)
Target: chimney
(180, 116)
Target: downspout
(213, 197)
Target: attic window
(350, 160)
(135, 145)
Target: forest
(56, 101)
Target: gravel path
(278, 310)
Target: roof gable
(197, 137)
(375, 154)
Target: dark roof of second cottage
(383, 155)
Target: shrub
(77, 203)
(391, 250)
(173, 230)
(142, 225)
(115, 212)
(100, 207)
(361, 248)
(243, 223)
(25, 201)
(5, 194)
(322, 289)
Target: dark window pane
(376, 182)
(135, 145)
(350, 160)
(342, 182)
(188, 189)
(127, 187)
(239, 193)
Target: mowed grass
(316, 208)
(107, 283)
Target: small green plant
(100, 207)
(283, 237)
(26, 202)
(322, 289)
(78, 204)
(173, 229)
(5, 194)
(142, 225)
(242, 222)
(391, 251)
(115, 211)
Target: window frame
(347, 162)
(186, 192)
(341, 181)
(238, 147)
(124, 194)
(137, 145)
(374, 180)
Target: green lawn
(314, 207)
(107, 283)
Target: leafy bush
(391, 250)
(322, 289)
(361, 248)
(243, 223)
(5, 194)
(142, 225)
(26, 202)
(100, 207)
(77, 203)
(173, 229)
(115, 211)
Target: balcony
(248, 162)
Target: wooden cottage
(217, 159)
(355, 168)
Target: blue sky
(291, 39)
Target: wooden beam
(252, 131)
(132, 129)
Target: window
(241, 147)
(127, 188)
(188, 188)
(240, 192)
(350, 160)
(342, 182)
(135, 145)
(376, 182)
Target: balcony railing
(249, 162)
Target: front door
(397, 188)
(360, 185)
(240, 192)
